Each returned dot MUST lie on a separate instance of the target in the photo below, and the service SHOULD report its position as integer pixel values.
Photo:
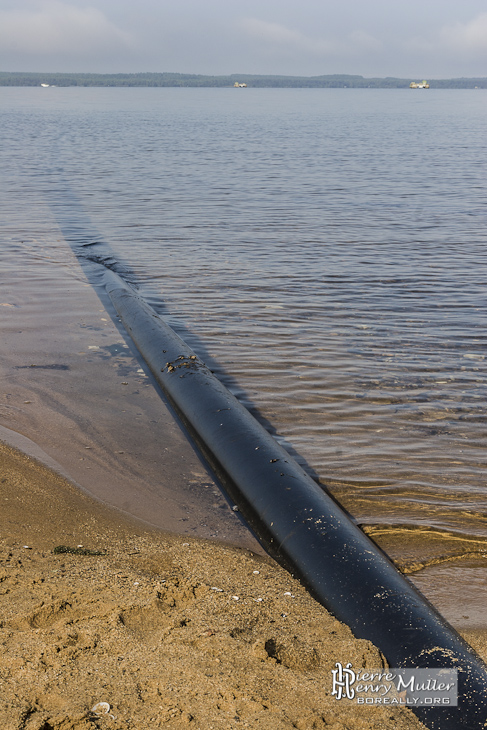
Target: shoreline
(116, 438)
(169, 630)
(36, 79)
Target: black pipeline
(300, 524)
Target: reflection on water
(323, 251)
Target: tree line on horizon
(20, 78)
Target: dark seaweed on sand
(76, 551)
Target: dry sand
(171, 632)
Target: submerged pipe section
(300, 524)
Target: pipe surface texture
(300, 524)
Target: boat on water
(419, 85)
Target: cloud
(279, 37)
(457, 40)
(364, 41)
(466, 37)
(53, 27)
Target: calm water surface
(324, 251)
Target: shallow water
(324, 251)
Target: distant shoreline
(334, 81)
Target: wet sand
(448, 568)
(170, 631)
(73, 384)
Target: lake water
(324, 251)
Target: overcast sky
(413, 39)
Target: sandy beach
(169, 631)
